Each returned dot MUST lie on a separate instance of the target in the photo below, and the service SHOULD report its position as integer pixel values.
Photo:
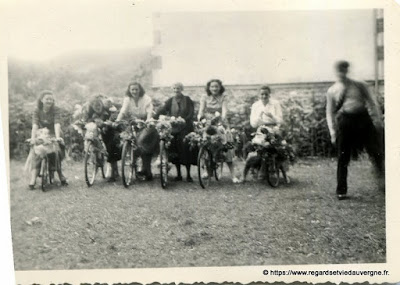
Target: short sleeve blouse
(46, 119)
(212, 104)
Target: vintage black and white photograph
(144, 138)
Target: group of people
(349, 122)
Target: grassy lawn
(108, 226)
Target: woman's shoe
(189, 179)
(64, 183)
(111, 179)
(178, 178)
(235, 180)
(31, 186)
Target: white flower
(217, 114)
(275, 129)
(284, 142)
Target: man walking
(355, 122)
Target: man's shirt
(259, 113)
(357, 99)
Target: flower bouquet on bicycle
(212, 138)
(94, 148)
(131, 164)
(45, 158)
(271, 153)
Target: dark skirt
(148, 141)
(112, 142)
(180, 151)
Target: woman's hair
(141, 89)
(265, 87)
(178, 84)
(221, 91)
(41, 96)
(94, 100)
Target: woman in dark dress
(96, 112)
(180, 152)
(47, 115)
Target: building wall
(263, 46)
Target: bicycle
(164, 126)
(95, 154)
(273, 152)
(269, 163)
(211, 157)
(129, 161)
(47, 176)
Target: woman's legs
(146, 158)
(33, 166)
(114, 171)
(33, 174)
(232, 170)
(57, 164)
(188, 176)
(178, 171)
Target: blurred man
(354, 122)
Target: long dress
(180, 152)
(213, 104)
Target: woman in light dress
(139, 105)
(213, 103)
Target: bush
(304, 127)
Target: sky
(244, 47)
(39, 30)
(263, 46)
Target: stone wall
(241, 96)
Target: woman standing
(212, 103)
(139, 105)
(47, 115)
(180, 106)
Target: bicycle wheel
(44, 173)
(272, 172)
(90, 164)
(163, 165)
(128, 164)
(204, 168)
